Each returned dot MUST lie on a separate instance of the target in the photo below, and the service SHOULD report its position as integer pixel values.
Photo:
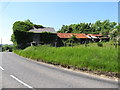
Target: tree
(114, 35)
(7, 47)
(22, 26)
(38, 26)
(72, 40)
(28, 21)
(64, 42)
(103, 27)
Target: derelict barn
(48, 35)
(81, 38)
(43, 36)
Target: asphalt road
(18, 72)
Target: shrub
(119, 42)
(100, 44)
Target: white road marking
(1, 68)
(21, 81)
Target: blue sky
(54, 14)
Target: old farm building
(81, 37)
(48, 35)
(43, 36)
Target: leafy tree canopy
(22, 26)
(25, 25)
(103, 27)
(7, 47)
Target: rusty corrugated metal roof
(96, 35)
(69, 35)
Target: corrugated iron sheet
(69, 35)
(96, 35)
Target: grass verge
(103, 59)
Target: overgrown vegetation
(7, 47)
(100, 44)
(21, 37)
(92, 57)
(103, 27)
(48, 38)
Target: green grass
(92, 57)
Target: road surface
(18, 72)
